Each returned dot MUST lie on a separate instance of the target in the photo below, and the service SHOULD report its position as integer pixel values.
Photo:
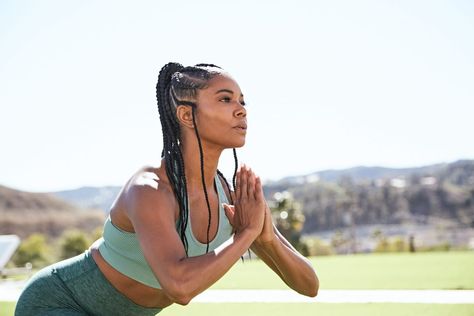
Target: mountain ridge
(102, 197)
(362, 173)
(23, 213)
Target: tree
(97, 233)
(289, 219)
(32, 250)
(73, 242)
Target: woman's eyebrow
(224, 90)
(228, 91)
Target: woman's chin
(239, 144)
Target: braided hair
(179, 85)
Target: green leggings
(75, 286)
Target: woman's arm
(294, 269)
(181, 277)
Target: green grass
(7, 308)
(430, 270)
(443, 270)
(285, 309)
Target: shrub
(97, 233)
(396, 244)
(383, 245)
(317, 247)
(34, 250)
(73, 242)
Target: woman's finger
(243, 183)
(251, 184)
(229, 212)
(258, 189)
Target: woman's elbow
(313, 292)
(312, 287)
(182, 300)
(315, 289)
(177, 293)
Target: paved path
(10, 290)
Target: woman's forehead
(223, 81)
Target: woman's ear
(184, 113)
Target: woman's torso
(138, 292)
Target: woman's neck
(192, 165)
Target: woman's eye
(229, 99)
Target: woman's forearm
(294, 269)
(192, 275)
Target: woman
(174, 230)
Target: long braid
(171, 150)
(201, 154)
(236, 162)
(221, 175)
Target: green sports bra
(122, 250)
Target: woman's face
(220, 114)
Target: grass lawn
(443, 270)
(431, 270)
(285, 309)
(7, 308)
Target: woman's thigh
(46, 294)
(75, 287)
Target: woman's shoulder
(149, 184)
(145, 197)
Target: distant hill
(442, 193)
(91, 197)
(358, 174)
(103, 197)
(376, 195)
(15, 201)
(23, 213)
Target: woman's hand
(248, 213)
(268, 234)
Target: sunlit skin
(147, 206)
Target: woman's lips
(241, 128)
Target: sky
(328, 84)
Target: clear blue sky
(329, 84)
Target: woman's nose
(241, 111)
